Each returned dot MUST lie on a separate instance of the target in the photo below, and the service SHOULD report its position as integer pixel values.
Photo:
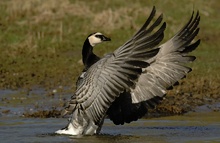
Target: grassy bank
(40, 41)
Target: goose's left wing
(167, 68)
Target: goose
(132, 79)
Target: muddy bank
(46, 104)
(161, 111)
(169, 107)
(185, 97)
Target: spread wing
(165, 70)
(111, 75)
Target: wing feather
(168, 66)
(115, 73)
(165, 70)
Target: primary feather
(135, 77)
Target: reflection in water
(192, 127)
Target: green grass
(41, 41)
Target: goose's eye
(98, 36)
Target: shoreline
(36, 106)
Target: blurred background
(41, 41)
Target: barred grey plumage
(133, 78)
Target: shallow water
(200, 126)
(192, 127)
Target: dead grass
(38, 11)
(41, 11)
(110, 19)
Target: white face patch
(93, 40)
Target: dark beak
(106, 39)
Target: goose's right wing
(110, 76)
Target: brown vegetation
(41, 40)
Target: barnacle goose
(135, 77)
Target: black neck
(87, 51)
(89, 58)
